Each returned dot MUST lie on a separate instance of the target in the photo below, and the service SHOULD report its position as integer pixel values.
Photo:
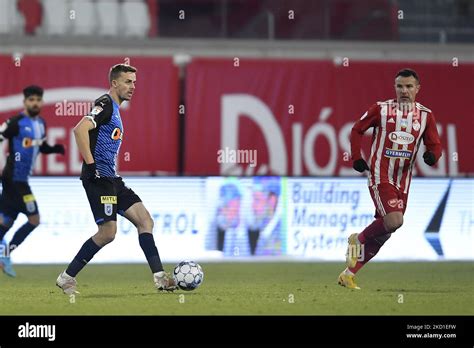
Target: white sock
(347, 272)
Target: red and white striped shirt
(395, 141)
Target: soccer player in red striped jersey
(399, 127)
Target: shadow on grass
(137, 295)
(421, 291)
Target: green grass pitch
(248, 288)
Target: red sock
(370, 249)
(375, 229)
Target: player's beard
(125, 97)
(33, 112)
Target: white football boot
(164, 281)
(67, 283)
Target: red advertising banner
(294, 117)
(71, 84)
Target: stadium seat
(5, 26)
(85, 21)
(11, 21)
(33, 13)
(136, 18)
(56, 17)
(108, 17)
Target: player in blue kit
(99, 136)
(26, 134)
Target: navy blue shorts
(107, 197)
(17, 198)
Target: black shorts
(17, 198)
(107, 197)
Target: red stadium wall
(71, 83)
(298, 114)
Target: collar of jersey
(113, 101)
(30, 117)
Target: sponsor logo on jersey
(416, 125)
(116, 134)
(402, 138)
(391, 120)
(390, 153)
(28, 142)
(108, 199)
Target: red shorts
(388, 199)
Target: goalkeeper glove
(360, 165)
(429, 158)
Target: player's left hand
(429, 158)
(58, 148)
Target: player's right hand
(91, 172)
(429, 158)
(360, 165)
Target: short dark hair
(407, 73)
(117, 69)
(33, 90)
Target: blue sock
(151, 252)
(21, 234)
(85, 254)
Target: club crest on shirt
(416, 125)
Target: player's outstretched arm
(47, 149)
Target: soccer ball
(188, 275)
